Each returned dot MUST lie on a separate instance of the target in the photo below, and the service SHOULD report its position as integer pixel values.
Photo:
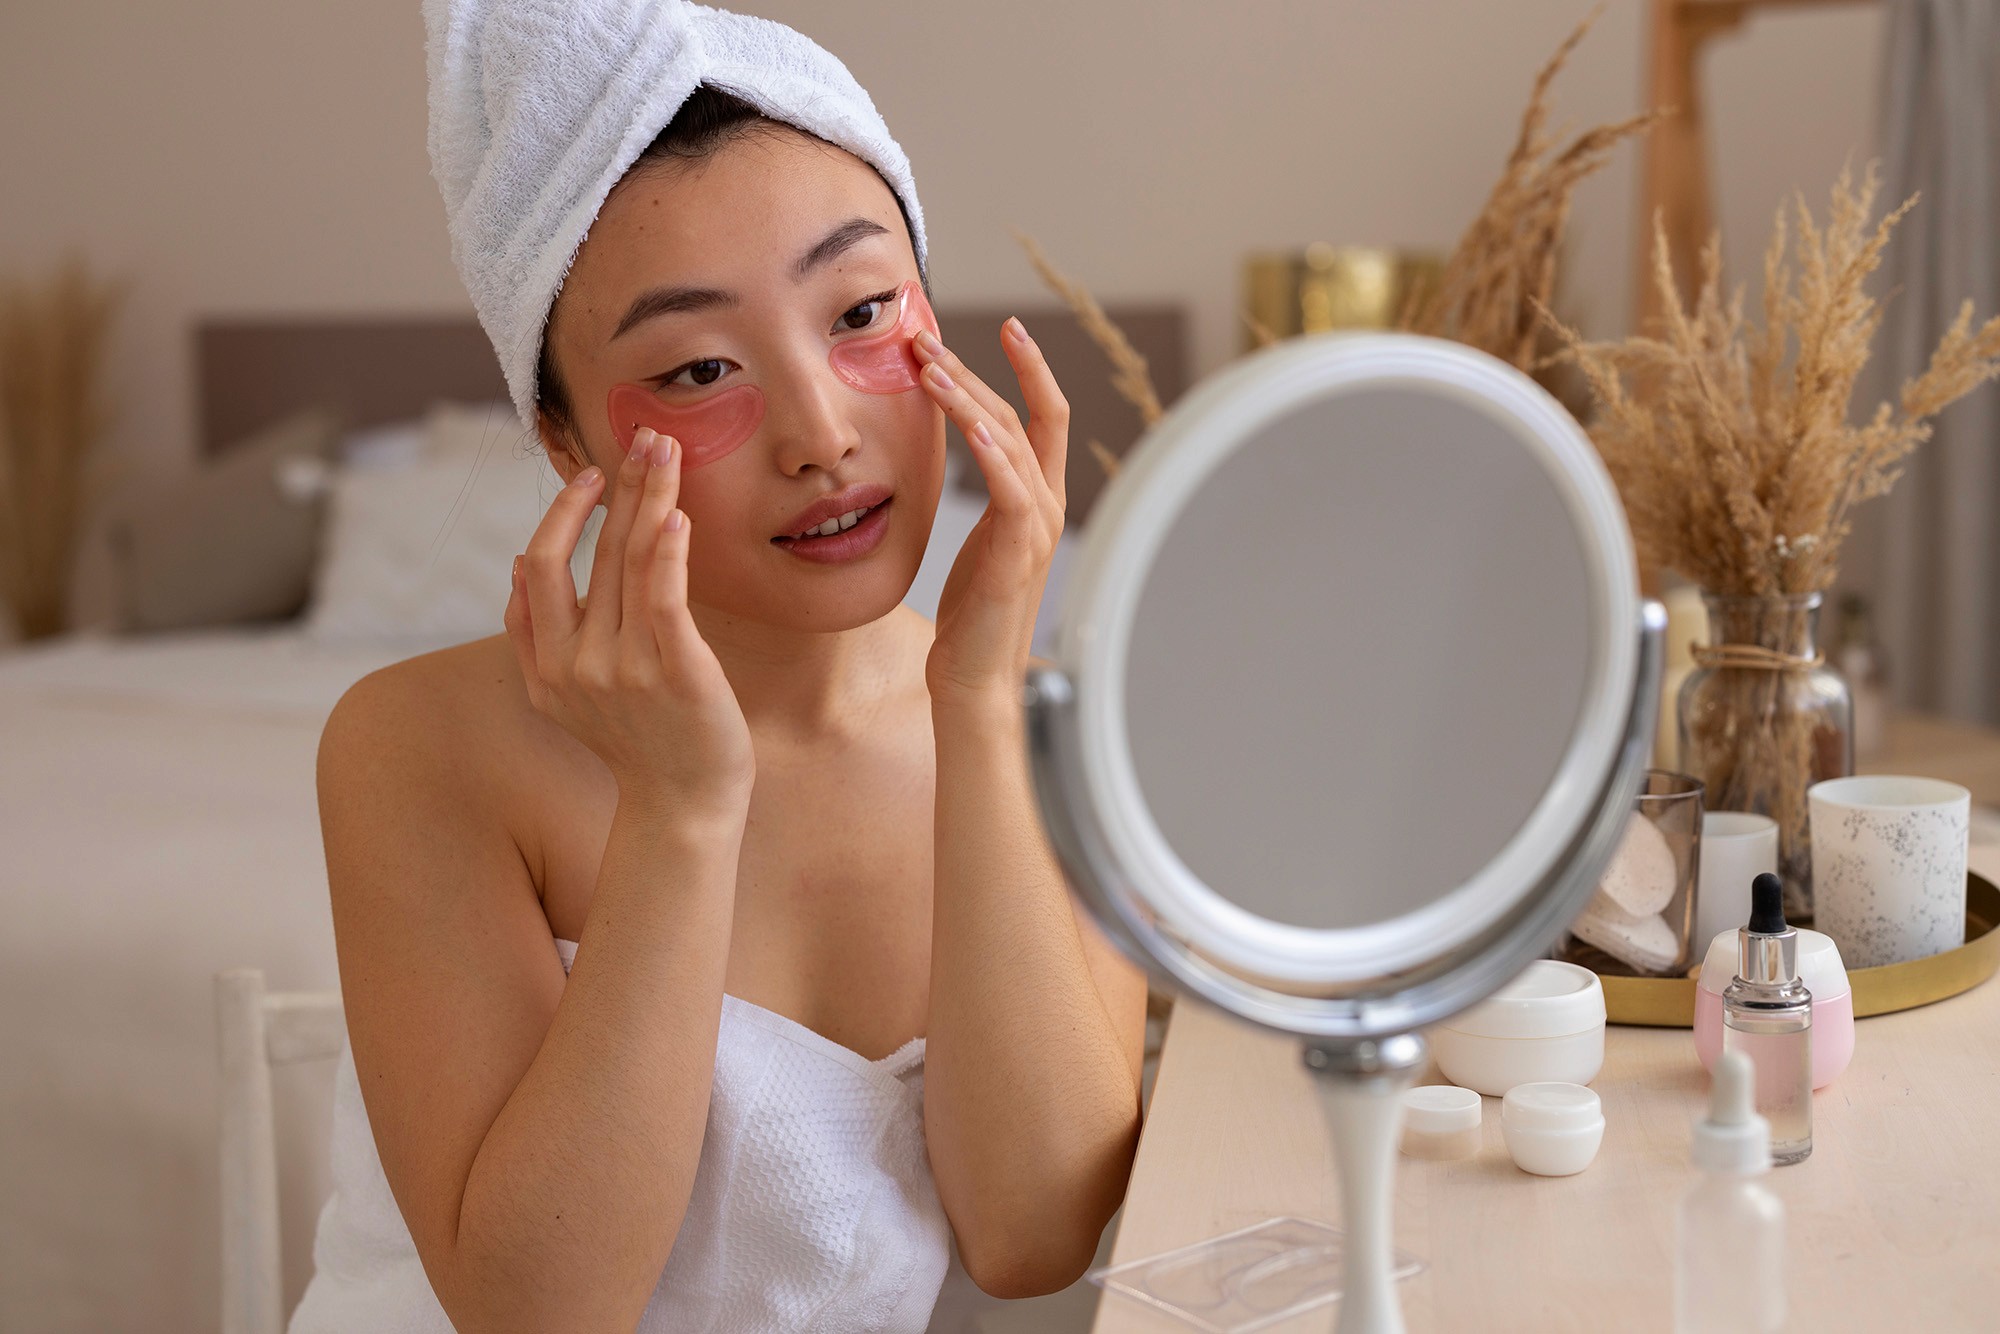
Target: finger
(521, 633)
(929, 350)
(549, 589)
(966, 414)
(662, 490)
(667, 600)
(607, 569)
(1048, 410)
(1004, 482)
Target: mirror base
(1361, 1084)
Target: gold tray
(1668, 1002)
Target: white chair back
(257, 1029)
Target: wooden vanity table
(1893, 1223)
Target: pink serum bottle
(1767, 1015)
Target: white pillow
(396, 445)
(422, 554)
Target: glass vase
(1762, 718)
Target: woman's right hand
(627, 673)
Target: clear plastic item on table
(1248, 1279)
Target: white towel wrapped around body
(813, 1205)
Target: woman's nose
(808, 417)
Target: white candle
(1888, 855)
(1736, 848)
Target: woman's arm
(1031, 1085)
(1037, 1025)
(540, 1138)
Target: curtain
(1928, 554)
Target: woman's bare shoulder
(459, 720)
(470, 692)
(447, 748)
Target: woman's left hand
(986, 613)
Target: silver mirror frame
(1208, 425)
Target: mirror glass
(1358, 657)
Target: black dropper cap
(1767, 905)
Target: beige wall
(237, 156)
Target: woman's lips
(845, 545)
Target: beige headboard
(376, 370)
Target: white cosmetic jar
(1552, 1129)
(1441, 1121)
(1545, 1025)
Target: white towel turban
(538, 107)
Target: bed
(158, 823)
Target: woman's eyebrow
(836, 243)
(679, 300)
(670, 301)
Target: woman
(704, 960)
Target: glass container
(1762, 718)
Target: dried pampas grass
(1729, 442)
(1732, 451)
(1504, 267)
(52, 419)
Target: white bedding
(158, 823)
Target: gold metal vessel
(1330, 287)
(1668, 1002)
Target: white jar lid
(1551, 1106)
(1440, 1109)
(1820, 967)
(1549, 999)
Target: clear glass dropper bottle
(1767, 1015)
(1729, 1256)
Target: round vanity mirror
(1351, 696)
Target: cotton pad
(1642, 873)
(1646, 942)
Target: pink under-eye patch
(884, 363)
(706, 430)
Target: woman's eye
(703, 372)
(871, 306)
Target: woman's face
(765, 297)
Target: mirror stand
(1360, 1084)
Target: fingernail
(937, 373)
(674, 519)
(1016, 328)
(981, 434)
(663, 449)
(517, 569)
(587, 477)
(929, 343)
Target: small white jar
(1441, 1121)
(1547, 1024)
(1552, 1129)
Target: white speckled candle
(1888, 858)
